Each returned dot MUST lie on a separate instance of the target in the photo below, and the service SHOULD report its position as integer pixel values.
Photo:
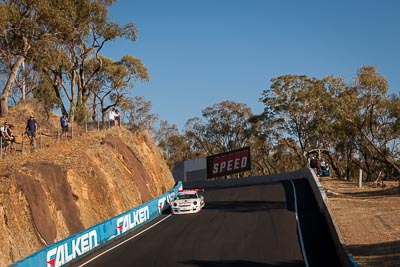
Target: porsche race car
(187, 201)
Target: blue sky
(199, 53)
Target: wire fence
(42, 139)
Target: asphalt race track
(239, 226)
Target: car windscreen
(187, 196)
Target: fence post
(98, 122)
(22, 143)
(360, 179)
(40, 137)
(86, 131)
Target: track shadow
(390, 192)
(381, 254)
(239, 263)
(245, 206)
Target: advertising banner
(76, 246)
(228, 163)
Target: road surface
(239, 226)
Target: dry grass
(368, 220)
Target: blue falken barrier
(81, 244)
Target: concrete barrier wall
(319, 193)
(81, 244)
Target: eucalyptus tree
(79, 31)
(174, 145)
(45, 94)
(295, 108)
(262, 145)
(372, 116)
(338, 138)
(112, 83)
(22, 28)
(138, 114)
(223, 127)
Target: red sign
(229, 162)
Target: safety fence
(43, 139)
(81, 244)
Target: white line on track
(123, 242)
(298, 226)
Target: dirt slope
(50, 193)
(368, 219)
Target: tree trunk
(9, 84)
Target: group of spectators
(320, 167)
(7, 138)
(114, 116)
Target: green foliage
(80, 113)
(45, 94)
(225, 126)
(353, 122)
(356, 125)
(137, 111)
(61, 42)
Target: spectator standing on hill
(31, 129)
(64, 125)
(5, 138)
(10, 129)
(11, 136)
(111, 117)
(4, 131)
(118, 117)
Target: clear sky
(201, 52)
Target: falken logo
(70, 250)
(132, 219)
(161, 204)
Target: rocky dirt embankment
(49, 194)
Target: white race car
(187, 201)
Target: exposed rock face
(54, 192)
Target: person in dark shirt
(64, 125)
(31, 129)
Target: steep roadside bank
(52, 193)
